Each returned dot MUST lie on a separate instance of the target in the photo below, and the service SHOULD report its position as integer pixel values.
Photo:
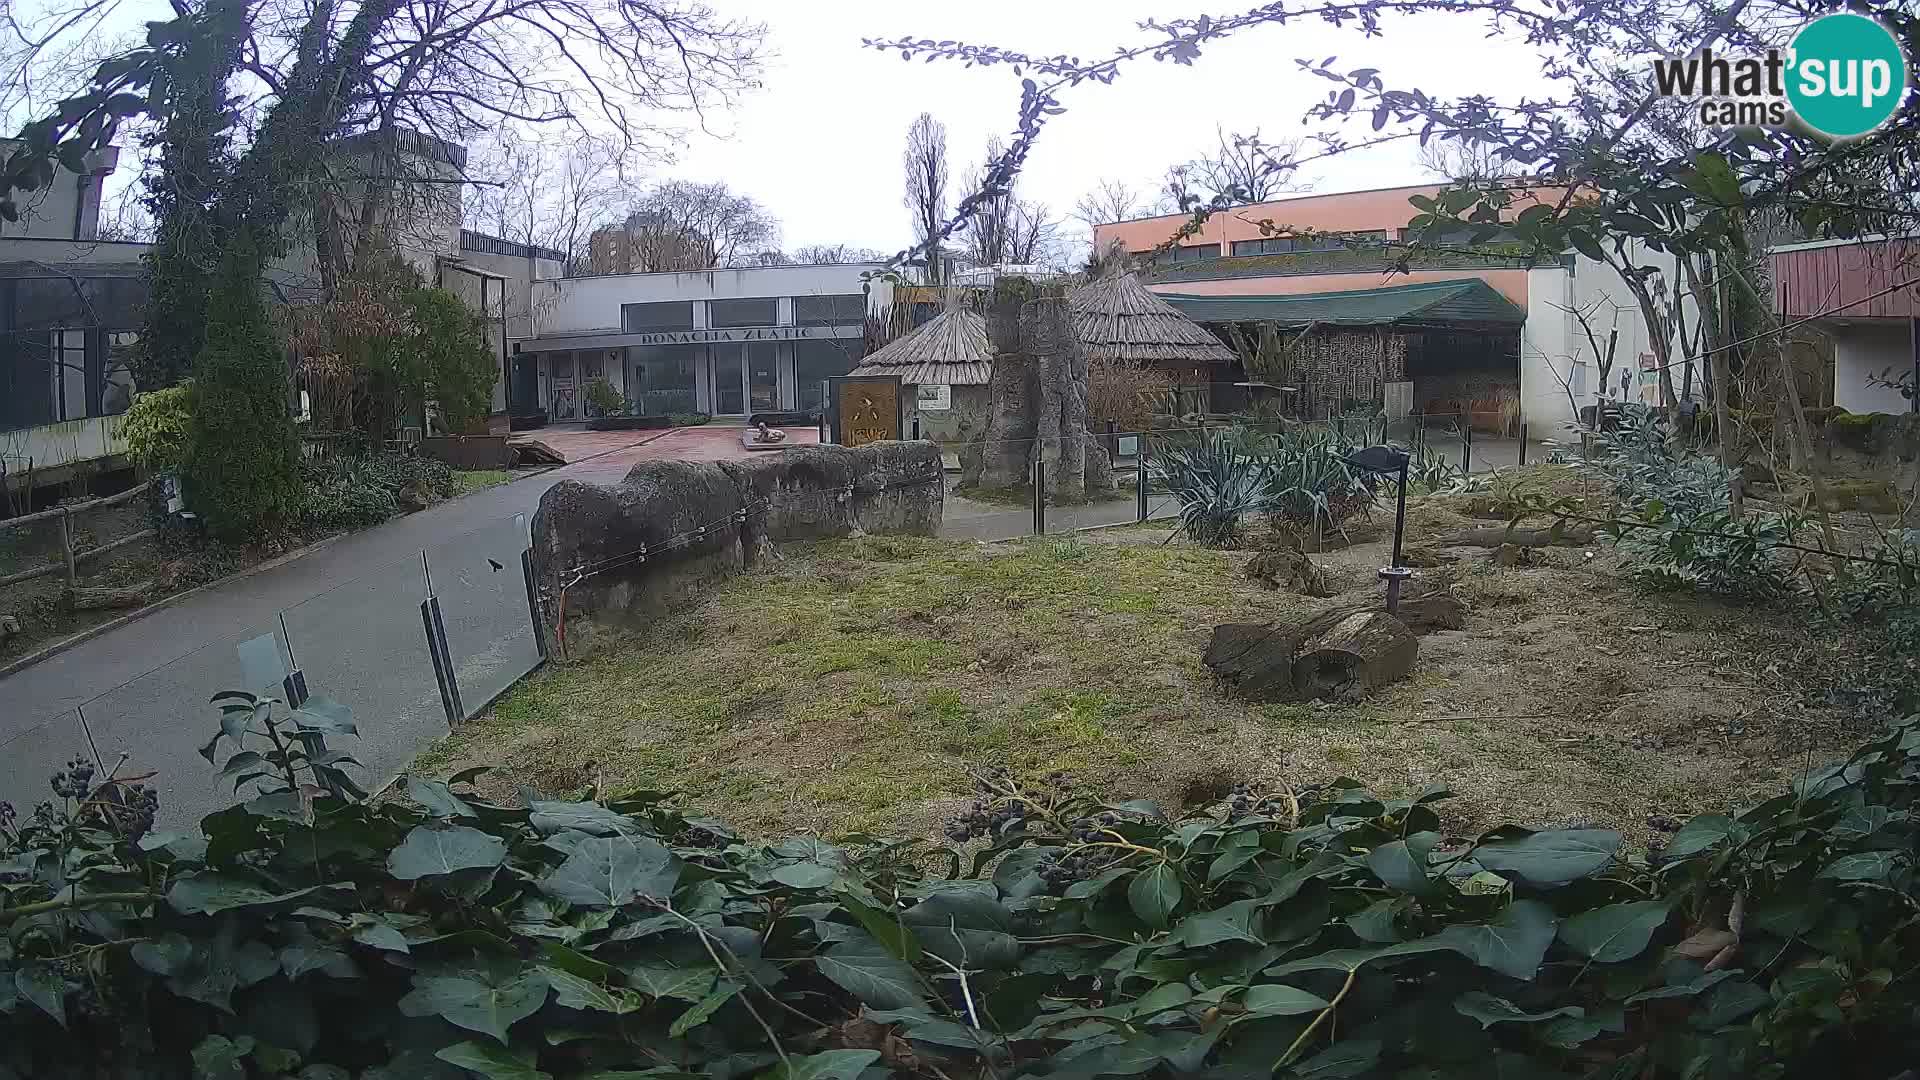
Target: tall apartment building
(645, 243)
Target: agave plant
(1218, 481)
(1310, 487)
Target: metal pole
(442, 665)
(533, 603)
(1400, 513)
(1039, 493)
(1466, 443)
(1523, 445)
(916, 427)
(1113, 444)
(1140, 482)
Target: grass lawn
(852, 686)
(468, 481)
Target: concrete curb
(63, 645)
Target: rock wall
(657, 540)
(1880, 446)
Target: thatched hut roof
(949, 348)
(1116, 317)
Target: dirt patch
(850, 686)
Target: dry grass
(852, 686)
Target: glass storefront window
(813, 362)
(760, 311)
(763, 376)
(656, 318)
(727, 366)
(660, 378)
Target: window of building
(1267, 245)
(759, 311)
(836, 310)
(1193, 253)
(657, 318)
(813, 362)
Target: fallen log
(1339, 654)
(1286, 568)
(1571, 535)
(112, 596)
(1434, 611)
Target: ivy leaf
(326, 716)
(430, 852)
(209, 893)
(830, 1065)
(1154, 894)
(1863, 866)
(44, 987)
(492, 1062)
(1730, 1002)
(804, 875)
(1491, 1010)
(438, 798)
(889, 931)
(220, 1058)
(488, 1001)
(965, 925)
(865, 969)
(587, 817)
(379, 935)
(1402, 864)
(1616, 932)
(613, 872)
(1279, 999)
(687, 984)
(1513, 944)
(1229, 922)
(164, 955)
(1699, 834)
(575, 992)
(703, 1010)
(1354, 1057)
(1551, 858)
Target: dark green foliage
(354, 491)
(1298, 477)
(1322, 933)
(449, 357)
(240, 470)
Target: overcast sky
(820, 145)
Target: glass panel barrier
(364, 645)
(158, 722)
(483, 605)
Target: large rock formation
(653, 542)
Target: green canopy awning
(1462, 302)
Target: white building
(731, 342)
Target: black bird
(497, 567)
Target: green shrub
(694, 419)
(1299, 478)
(1326, 932)
(449, 357)
(355, 491)
(603, 399)
(240, 468)
(157, 425)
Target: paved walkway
(350, 615)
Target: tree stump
(1434, 611)
(1006, 440)
(1340, 654)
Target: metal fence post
(1466, 443)
(533, 603)
(916, 427)
(1523, 444)
(1140, 481)
(1039, 492)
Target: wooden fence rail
(70, 560)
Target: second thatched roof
(949, 348)
(1116, 317)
